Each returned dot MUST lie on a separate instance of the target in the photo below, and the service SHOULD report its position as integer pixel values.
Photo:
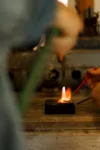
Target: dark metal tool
(84, 100)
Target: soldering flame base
(66, 95)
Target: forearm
(24, 21)
(43, 14)
(20, 24)
(96, 94)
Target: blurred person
(94, 84)
(21, 22)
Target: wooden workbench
(87, 115)
(67, 140)
(62, 132)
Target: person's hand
(94, 84)
(95, 77)
(70, 25)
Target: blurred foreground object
(96, 94)
(70, 25)
(36, 73)
(94, 84)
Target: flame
(66, 95)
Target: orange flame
(66, 95)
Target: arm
(19, 24)
(24, 21)
(94, 84)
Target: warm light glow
(35, 48)
(41, 43)
(64, 2)
(66, 95)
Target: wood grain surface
(70, 140)
(87, 115)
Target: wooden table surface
(67, 140)
(62, 132)
(87, 115)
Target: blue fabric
(21, 21)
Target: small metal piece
(63, 74)
(63, 71)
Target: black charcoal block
(53, 107)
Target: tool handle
(36, 73)
(84, 81)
